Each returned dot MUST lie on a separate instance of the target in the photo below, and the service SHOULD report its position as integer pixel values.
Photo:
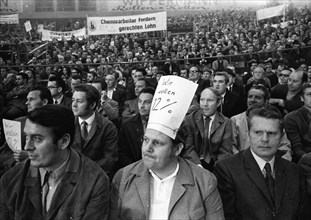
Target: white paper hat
(170, 104)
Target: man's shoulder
(90, 168)
(16, 173)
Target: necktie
(269, 180)
(205, 151)
(45, 190)
(84, 131)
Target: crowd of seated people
(108, 82)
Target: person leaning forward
(55, 182)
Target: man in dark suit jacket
(55, 182)
(255, 183)
(231, 103)
(216, 144)
(95, 137)
(57, 87)
(132, 130)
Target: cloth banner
(27, 25)
(48, 35)
(9, 19)
(127, 24)
(270, 12)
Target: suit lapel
(280, 181)
(33, 189)
(143, 187)
(255, 174)
(183, 177)
(67, 184)
(216, 123)
(199, 122)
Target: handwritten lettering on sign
(170, 103)
(12, 132)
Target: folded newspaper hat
(170, 104)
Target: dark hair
(24, 76)
(266, 111)
(147, 83)
(59, 82)
(45, 93)
(142, 70)
(59, 118)
(92, 94)
(224, 74)
(148, 89)
(75, 77)
(102, 83)
(262, 88)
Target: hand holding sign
(170, 103)
(12, 132)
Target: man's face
(80, 106)
(74, 83)
(307, 98)
(295, 81)
(158, 152)
(265, 136)
(111, 81)
(42, 150)
(154, 70)
(255, 96)
(184, 74)
(90, 77)
(284, 76)
(19, 80)
(258, 73)
(138, 75)
(253, 66)
(220, 84)
(208, 102)
(144, 103)
(54, 89)
(194, 74)
(206, 75)
(33, 100)
(139, 85)
(303, 67)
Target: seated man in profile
(55, 182)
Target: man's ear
(63, 143)
(179, 148)
(45, 101)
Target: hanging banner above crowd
(10, 6)
(270, 12)
(160, 5)
(127, 24)
(9, 19)
(48, 35)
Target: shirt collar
(261, 162)
(89, 121)
(59, 100)
(56, 174)
(174, 174)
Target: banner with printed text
(160, 5)
(270, 12)
(48, 35)
(127, 24)
(9, 19)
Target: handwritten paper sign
(170, 104)
(13, 134)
